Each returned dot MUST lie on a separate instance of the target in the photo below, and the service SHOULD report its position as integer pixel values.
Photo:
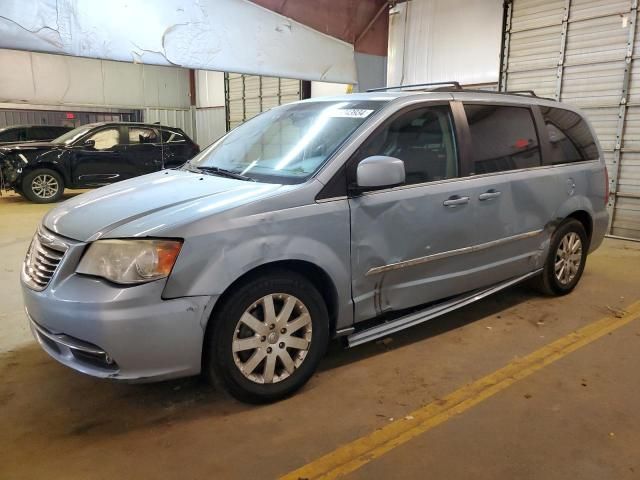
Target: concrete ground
(575, 418)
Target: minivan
(353, 216)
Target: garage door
(584, 52)
(248, 95)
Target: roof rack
(521, 92)
(455, 85)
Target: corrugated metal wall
(44, 79)
(210, 125)
(248, 95)
(584, 52)
(172, 117)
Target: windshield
(287, 144)
(72, 135)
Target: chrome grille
(42, 260)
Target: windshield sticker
(350, 113)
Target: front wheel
(566, 259)
(42, 185)
(267, 338)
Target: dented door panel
(392, 228)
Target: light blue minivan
(352, 216)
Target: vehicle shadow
(339, 356)
(85, 405)
(16, 199)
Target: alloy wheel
(272, 338)
(568, 258)
(45, 186)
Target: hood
(28, 146)
(168, 196)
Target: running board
(416, 318)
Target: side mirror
(380, 171)
(90, 143)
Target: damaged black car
(91, 156)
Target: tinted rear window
(45, 133)
(503, 137)
(12, 135)
(569, 135)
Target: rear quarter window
(173, 136)
(569, 136)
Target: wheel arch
(585, 219)
(48, 165)
(318, 277)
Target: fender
(54, 159)
(318, 233)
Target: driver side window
(423, 139)
(106, 138)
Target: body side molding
(451, 253)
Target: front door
(100, 162)
(406, 241)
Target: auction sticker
(351, 113)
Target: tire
(259, 347)
(42, 185)
(560, 281)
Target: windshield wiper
(224, 173)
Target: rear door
(177, 147)
(143, 150)
(103, 162)
(515, 195)
(407, 241)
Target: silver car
(351, 216)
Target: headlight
(130, 261)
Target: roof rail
(455, 85)
(522, 92)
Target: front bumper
(108, 331)
(10, 171)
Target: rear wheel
(42, 185)
(267, 338)
(566, 259)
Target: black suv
(30, 133)
(92, 155)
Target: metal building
(584, 52)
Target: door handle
(489, 195)
(455, 201)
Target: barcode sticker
(351, 113)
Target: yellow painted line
(354, 455)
